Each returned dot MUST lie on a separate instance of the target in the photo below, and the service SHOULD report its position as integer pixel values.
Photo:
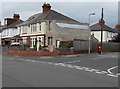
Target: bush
(25, 46)
(40, 47)
(35, 47)
(65, 45)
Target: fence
(83, 46)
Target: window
(33, 28)
(40, 40)
(107, 35)
(33, 41)
(50, 39)
(20, 30)
(25, 40)
(111, 34)
(40, 28)
(7, 32)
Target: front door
(40, 42)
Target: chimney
(16, 16)
(46, 7)
(101, 21)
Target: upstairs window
(40, 28)
(33, 28)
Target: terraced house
(49, 28)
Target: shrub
(40, 47)
(35, 47)
(25, 46)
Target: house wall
(33, 29)
(106, 35)
(48, 29)
(10, 32)
(34, 34)
(66, 34)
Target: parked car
(15, 45)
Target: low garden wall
(35, 53)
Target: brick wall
(32, 53)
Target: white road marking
(78, 67)
(71, 62)
(112, 75)
(109, 70)
(56, 64)
(70, 66)
(61, 64)
(118, 74)
(102, 56)
(50, 63)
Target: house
(108, 32)
(10, 29)
(50, 27)
(1, 26)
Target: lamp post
(90, 32)
(102, 22)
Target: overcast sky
(77, 10)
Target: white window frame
(33, 39)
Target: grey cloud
(76, 10)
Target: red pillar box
(99, 48)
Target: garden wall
(35, 53)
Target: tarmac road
(83, 70)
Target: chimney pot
(16, 16)
(46, 7)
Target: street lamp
(90, 32)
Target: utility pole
(102, 22)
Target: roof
(117, 30)
(49, 15)
(16, 37)
(1, 28)
(14, 25)
(97, 27)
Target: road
(82, 70)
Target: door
(40, 42)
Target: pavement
(81, 70)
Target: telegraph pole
(102, 22)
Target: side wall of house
(66, 34)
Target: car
(15, 44)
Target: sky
(77, 10)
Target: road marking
(70, 66)
(56, 64)
(112, 75)
(102, 56)
(71, 62)
(61, 64)
(109, 70)
(50, 63)
(118, 74)
(78, 67)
